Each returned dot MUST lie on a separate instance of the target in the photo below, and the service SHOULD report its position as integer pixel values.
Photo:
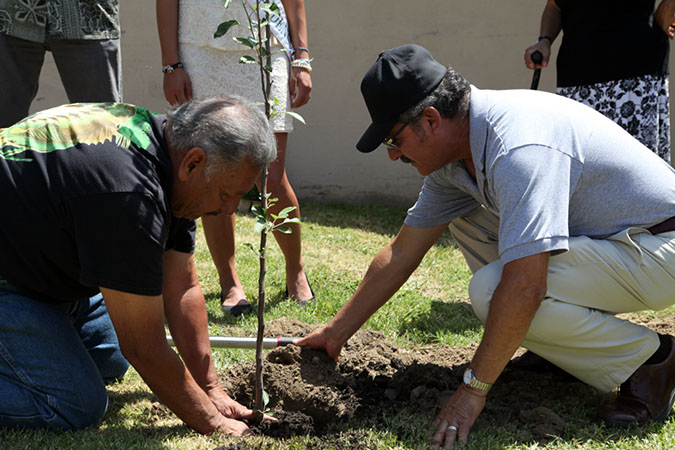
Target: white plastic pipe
(243, 342)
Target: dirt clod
(544, 421)
(290, 423)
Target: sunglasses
(389, 143)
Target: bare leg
(290, 244)
(219, 233)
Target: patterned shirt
(86, 197)
(62, 19)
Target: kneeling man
(563, 217)
(96, 242)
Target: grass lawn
(339, 242)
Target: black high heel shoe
(238, 310)
(304, 303)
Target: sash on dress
(279, 26)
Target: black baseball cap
(398, 80)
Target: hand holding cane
(537, 58)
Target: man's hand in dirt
(234, 427)
(232, 409)
(322, 338)
(457, 417)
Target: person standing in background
(82, 35)
(197, 65)
(614, 58)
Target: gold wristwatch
(471, 380)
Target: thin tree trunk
(266, 86)
(259, 388)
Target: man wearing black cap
(560, 222)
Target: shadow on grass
(375, 218)
(442, 317)
(413, 430)
(93, 438)
(507, 419)
(146, 423)
(272, 299)
(385, 220)
(117, 401)
(114, 432)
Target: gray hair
(450, 98)
(229, 130)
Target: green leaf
(263, 23)
(226, 3)
(284, 212)
(260, 226)
(247, 59)
(248, 42)
(270, 8)
(259, 417)
(284, 229)
(268, 68)
(296, 116)
(250, 246)
(291, 220)
(224, 28)
(265, 399)
(259, 212)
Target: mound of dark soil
(376, 379)
(371, 371)
(310, 393)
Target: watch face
(468, 376)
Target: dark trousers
(90, 70)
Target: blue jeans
(55, 361)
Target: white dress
(213, 63)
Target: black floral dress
(640, 105)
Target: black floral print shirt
(62, 19)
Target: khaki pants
(575, 327)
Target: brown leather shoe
(645, 397)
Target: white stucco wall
(483, 40)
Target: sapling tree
(258, 41)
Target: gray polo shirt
(550, 168)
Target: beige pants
(575, 327)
